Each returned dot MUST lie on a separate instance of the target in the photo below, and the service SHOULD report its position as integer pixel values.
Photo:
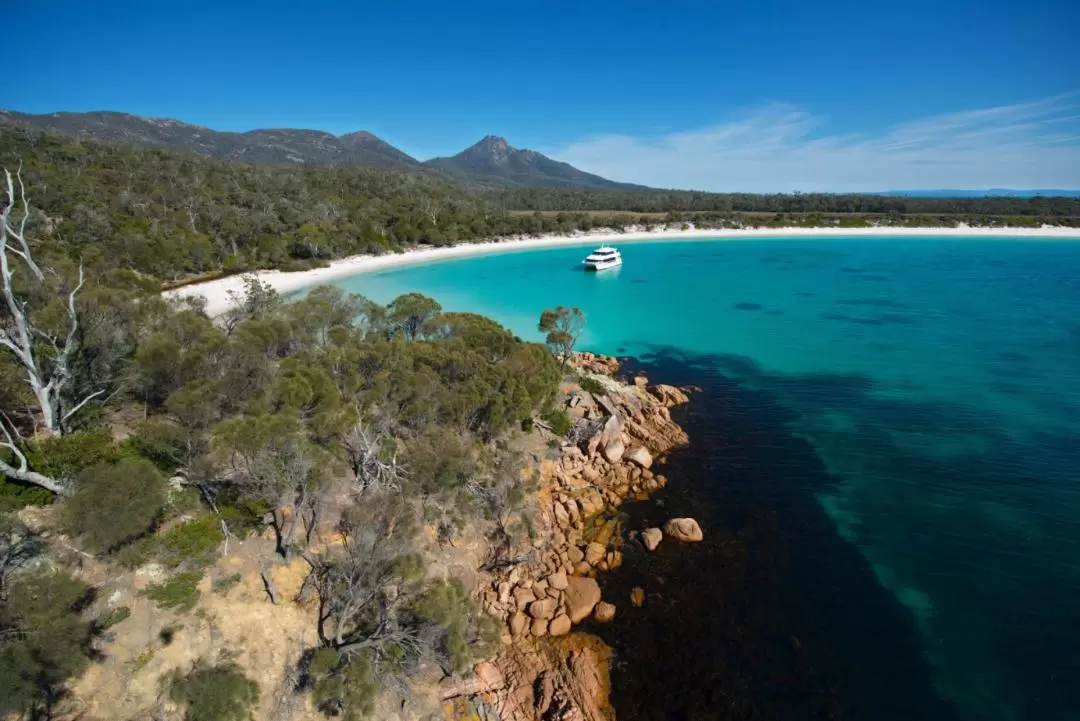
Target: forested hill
(171, 215)
(666, 201)
(270, 146)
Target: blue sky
(754, 95)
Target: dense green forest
(266, 420)
(688, 201)
(141, 432)
(170, 216)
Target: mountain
(493, 161)
(272, 146)
(987, 193)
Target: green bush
(465, 636)
(15, 495)
(115, 503)
(66, 456)
(180, 593)
(51, 646)
(344, 689)
(558, 420)
(157, 441)
(215, 693)
(192, 544)
(591, 385)
(110, 618)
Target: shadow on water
(774, 615)
(778, 616)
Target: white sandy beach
(216, 292)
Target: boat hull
(597, 265)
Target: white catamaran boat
(603, 258)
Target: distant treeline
(171, 216)
(665, 201)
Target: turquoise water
(937, 380)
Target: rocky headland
(547, 671)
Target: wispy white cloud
(781, 147)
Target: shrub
(344, 689)
(180, 593)
(192, 544)
(558, 420)
(15, 495)
(65, 456)
(115, 503)
(591, 385)
(110, 618)
(157, 441)
(52, 642)
(224, 585)
(215, 693)
(448, 606)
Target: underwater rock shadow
(774, 566)
(752, 623)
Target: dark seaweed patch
(1008, 389)
(882, 319)
(873, 302)
(853, 319)
(747, 306)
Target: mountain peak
(494, 142)
(494, 161)
(491, 148)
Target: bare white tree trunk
(47, 382)
(18, 334)
(22, 471)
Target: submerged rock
(651, 537)
(637, 596)
(684, 529)
(604, 612)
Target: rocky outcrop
(684, 529)
(582, 595)
(563, 679)
(640, 456)
(651, 537)
(669, 396)
(616, 440)
(595, 363)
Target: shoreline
(216, 292)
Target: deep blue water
(886, 458)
